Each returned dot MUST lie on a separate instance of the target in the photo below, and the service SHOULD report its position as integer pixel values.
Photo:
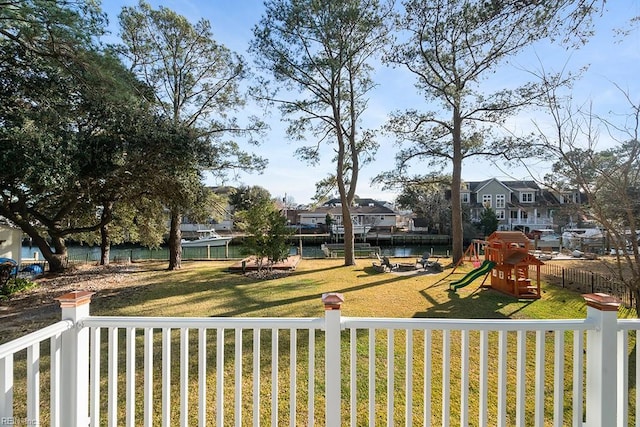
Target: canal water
(84, 253)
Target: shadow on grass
(482, 303)
(240, 295)
(254, 305)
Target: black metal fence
(586, 282)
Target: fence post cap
(601, 301)
(332, 300)
(75, 299)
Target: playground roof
(509, 236)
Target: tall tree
(50, 28)
(70, 132)
(605, 173)
(320, 55)
(196, 83)
(451, 46)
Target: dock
(363, 250)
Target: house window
(500, 214)
(486, 200)
(464, 197)
(500, 201)
(526, 197)
(513, 214)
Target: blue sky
(610, 60)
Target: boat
(545, 238)
(357, 229)
(206, 238)
(573, 238)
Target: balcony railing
(531, 222)
(331, 370)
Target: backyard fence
(586, 282)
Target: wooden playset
(507, 260)
(510, 251)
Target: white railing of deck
(423, 329)
(156, 380)
(32, 344)
(203, 326)
(628, 330)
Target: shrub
(15, 285)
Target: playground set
(507, 261)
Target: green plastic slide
(485, 268)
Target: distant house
(519, 205)
(367, 212)
(10, 241)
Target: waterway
(84, 253)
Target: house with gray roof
(519, 205)
(366, 212)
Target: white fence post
(601, 358)
(333, 409)
(74, 366)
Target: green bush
(15, 285)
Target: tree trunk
(105, 240)
(349, 238)
(57, 260)
(175, 238)
(105, 245)
(457, 233)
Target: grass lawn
(206, 289)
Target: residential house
(10, 241)
(366, 212)
(519, 205)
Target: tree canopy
(74, 131)
(195, 83)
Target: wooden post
(601, 392)
(332, 304)
(74, 367)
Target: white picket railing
(330, 370)
(31, 344)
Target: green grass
(204, 289)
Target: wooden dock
(335, 250)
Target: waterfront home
(518, 205)
(373, 214)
